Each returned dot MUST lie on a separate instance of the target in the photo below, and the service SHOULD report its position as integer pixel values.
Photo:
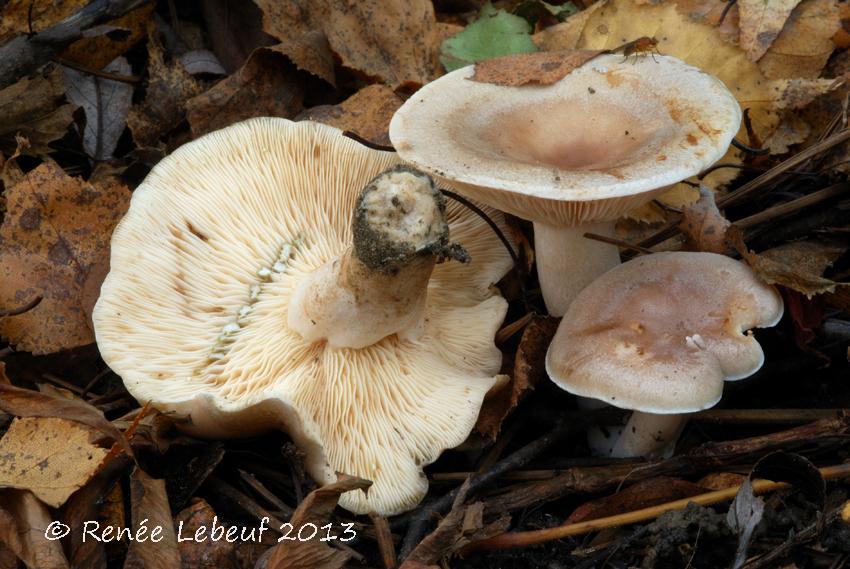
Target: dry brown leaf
(529, 368)
(50, 457)
(798, 265)
(541, 68)
(31, 522)
(643, 494)
(805, 43)
(367, 112)
(34, 107)
(150, 508)
(25, 16)
(760, 24)
(96, 52)
(219, 554)
(721, 480)
(703, 226)
(710, 12)
(677, 197)
(798, 93)
(54, 236)
(316, 508)
(169, 87)
(390, 40)
(266, 85)
(567, 34)
(29, 403)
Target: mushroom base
(567, 261)
(649, 435)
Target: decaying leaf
(29, 403)
(265, 86)
(150, 508)
(48, 456)
(54, 236)
(703, 226)
(390, 40)
(367, 112)
(221, 554)
(798, 265)
(96, 51)
(202, 61)
(529, 368)
(106, 103)
(744, 515)
(493, 34)
(33, 107)
(542, 68)
(30, 520)
(640, 495)
(721, 15)
(25, 16)
(316, 508)
(760, 23)
(676, 198)
(461, 526)
(805, 43)
(169, 87)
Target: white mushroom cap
(588, 147)
(661, 333)
(193, 314)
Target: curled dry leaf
(390, 40)
(150, 509)
(51, 457)
(169, 87)
(703, 226)
(744, 515)
(760, 24)
(541, 68)
(799, 265)
(22, 513)
(367, 112)
(202, 61)
(96, 51)
(316, 508)
(106, 104)
(266, 85)
(54, 237)
(221, 554)
(529, 368)
(29, 403)
(34, 108)
(805, 43)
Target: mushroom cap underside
(591, 146)
(193, 313)
(661, 333)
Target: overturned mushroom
(572, 156)
(659, 335)
(241, 294)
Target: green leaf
(493, 34)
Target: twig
(749, 149)
(419, 519)
(765, 416)
(794, 205)
(509, 330)
(20, 310)
(385, 540)
(131, 79)
(618, 242)
(260, 489)
(24, 54)
(526, 538)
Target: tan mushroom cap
(588, 147)
(193, 314)
(661, 333)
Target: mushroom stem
(378, 286)
(649, 435)
(567, 261)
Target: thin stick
(509, 330)
(131, 79)
(794, 205)
(526, 538)
(765, 416)
(618, 242)
(366, 142)
(385, 540)
(25, 308)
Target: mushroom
(659, 335)
(241, 294)
(572, 156)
